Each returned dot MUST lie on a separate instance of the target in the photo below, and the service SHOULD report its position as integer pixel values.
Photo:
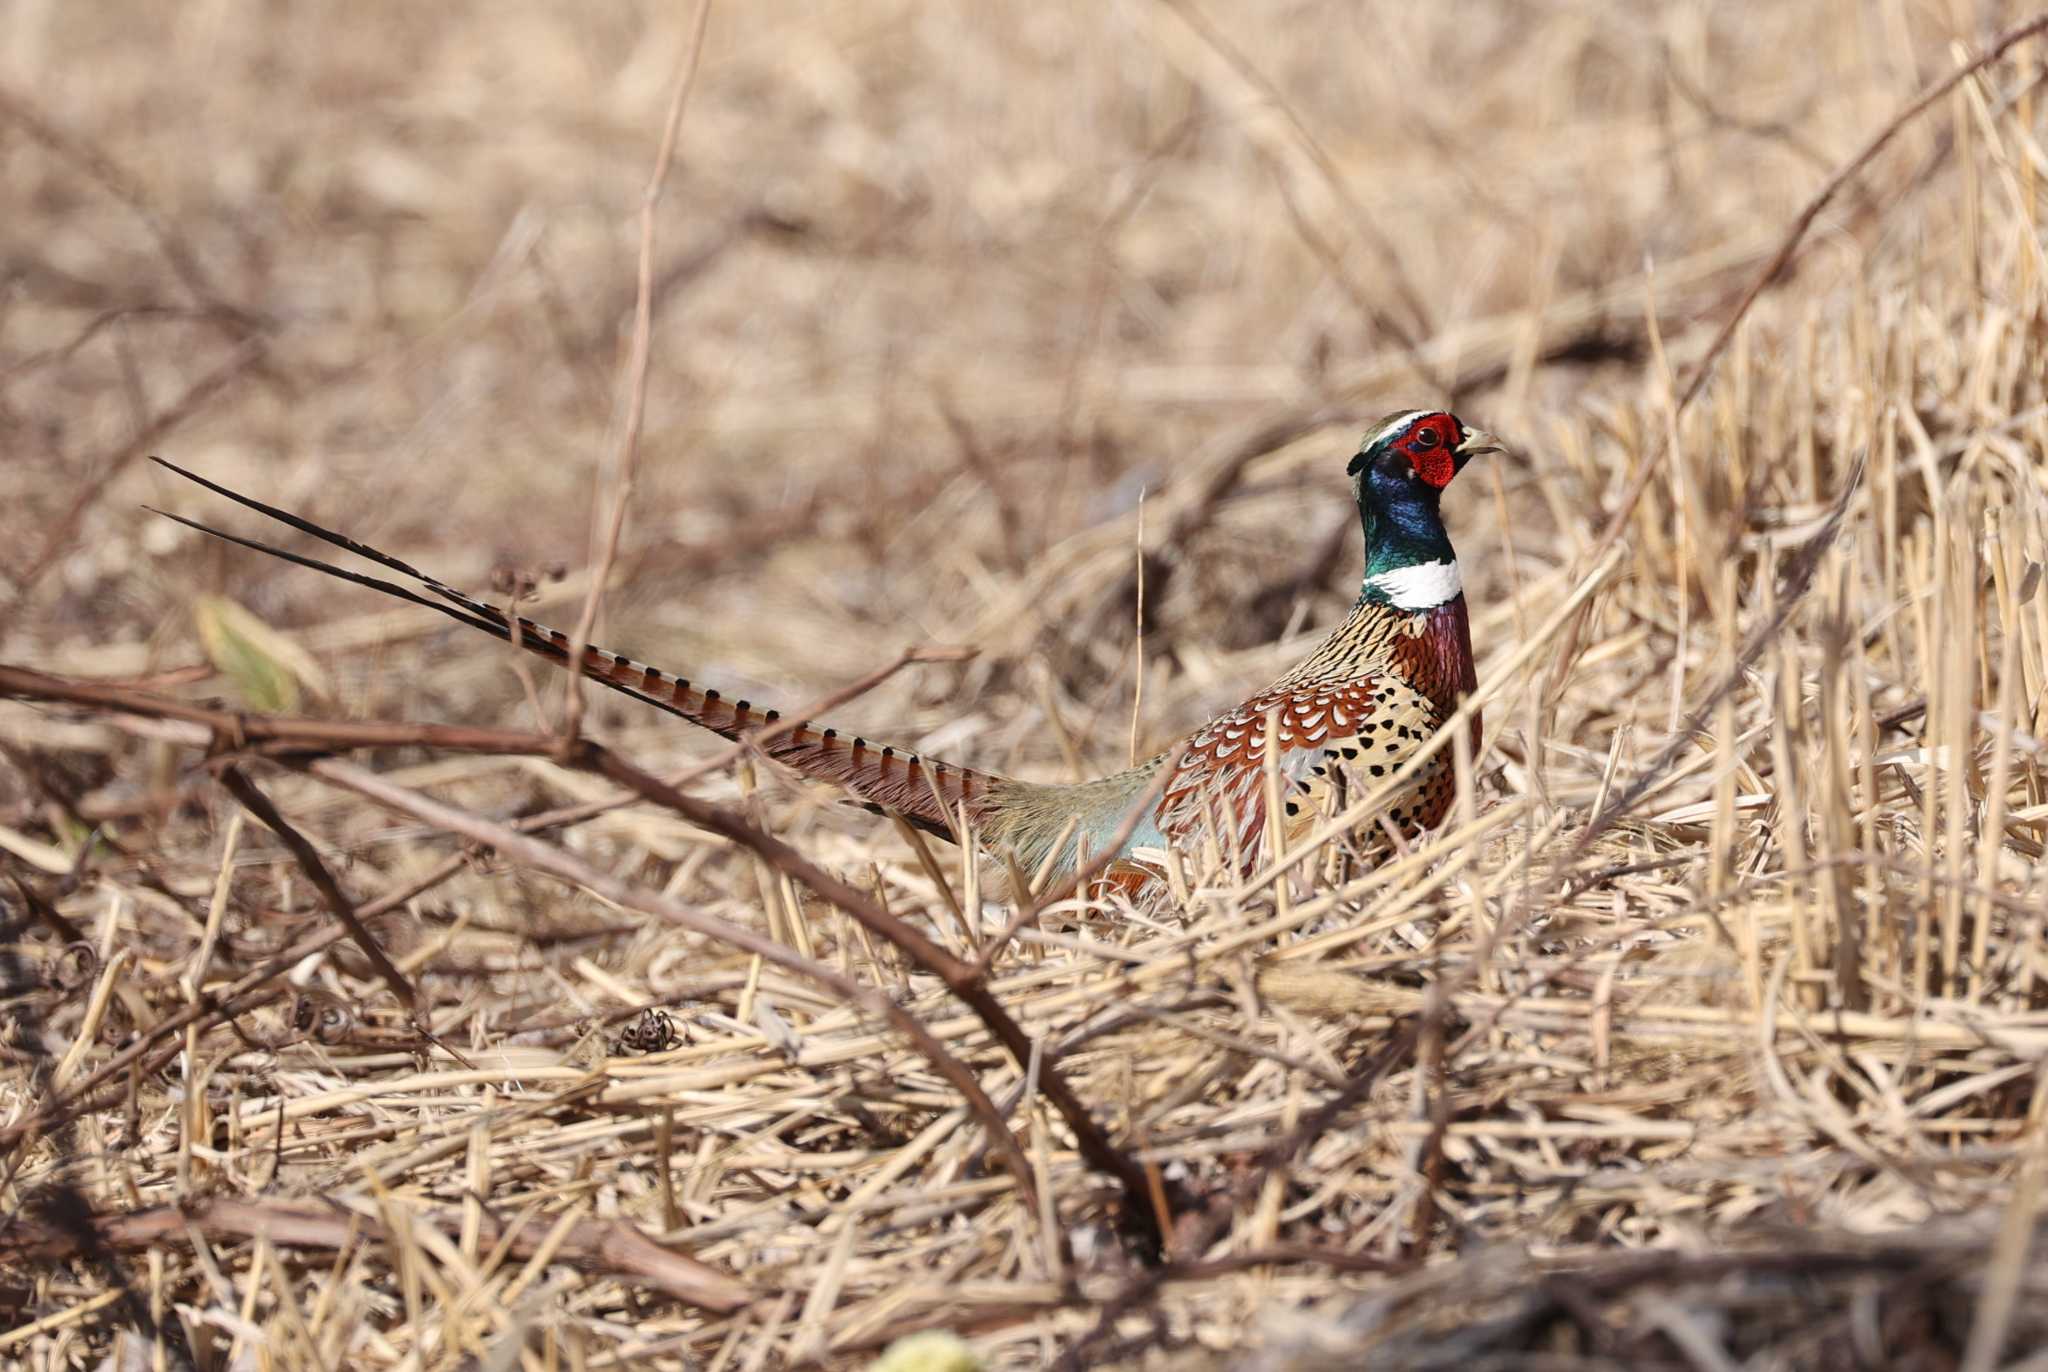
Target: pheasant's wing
(1334, 740)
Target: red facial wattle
(1430, 446)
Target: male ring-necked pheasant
(1370, 694)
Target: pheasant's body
(1344, 720)
(1377, 689)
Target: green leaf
(933, 1350)
(267, 667)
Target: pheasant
(1348, 715)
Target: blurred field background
(959, 314)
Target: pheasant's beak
(1477, 441)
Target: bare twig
(338, 904)
(116, 181)
(558, 862)
(610, 1247)
(628, 458)
(1357, 216)
(271, 733)
(1794, 236)
(962, 978)
(195, 398)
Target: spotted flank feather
(1343, 721)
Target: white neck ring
(1423, 586)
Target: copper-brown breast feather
(1345, 719)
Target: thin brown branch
(1358, 217)
(961, 977)
(116, 181)
(338, 904)
(1782, 258)
(560, 863)
(283, 732)
(636, 370)
(194, 399)
(609, 1247)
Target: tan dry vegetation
(1710, 1029)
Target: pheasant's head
(1399, 475)
(1416, 452)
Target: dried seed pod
(75, 967)
(652, 1032)
(323, 1018)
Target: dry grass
(1721, 1003)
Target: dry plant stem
(930, 865)
(272, 733)
(1360, 219)
(195, 398)
(961, 977)
(636, 402)
(953, 971)
(1203, 1231)
(99, 167)
(1138, 629)
(338, 904)
(614, 1247)
(1632, 494)
(546, 857)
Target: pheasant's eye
(1427, 439)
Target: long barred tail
(927, 792)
